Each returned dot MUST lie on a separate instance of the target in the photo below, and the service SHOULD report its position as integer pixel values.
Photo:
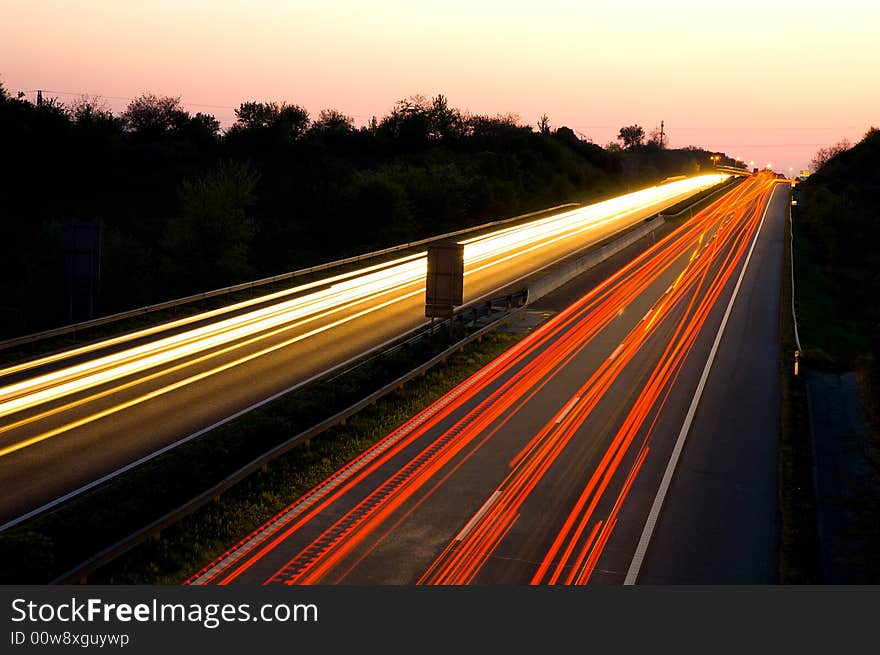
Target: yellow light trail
(340, 292)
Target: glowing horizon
(769, 83)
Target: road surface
(70, 419)
(543, 467)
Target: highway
(73, 418)
(546, 465)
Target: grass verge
(799, 561)
(39, 550)
(199, 538)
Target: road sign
(444, 285)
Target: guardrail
(594, 256)
(79, 574)
(510, 303)
(148, 309)
(704, 199)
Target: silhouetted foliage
(150, 116)
(656, 139)
(270, 123)
(184, 206)
(631, 136)
(826, 154)
(837, 207)
(544, 124)
(333, 121)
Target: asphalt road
(58, 443)
(720, 521)
(543, 466)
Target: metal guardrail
(148, 309)
(79, 574)
(690, 208)
(512, 302)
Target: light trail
(686, 332)
(461, 565)
(713, 250)
(352, 294)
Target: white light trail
(338, 293)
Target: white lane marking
(109, 476)
(616, 352)
(651, 522)
(567, 409)
(470, 524)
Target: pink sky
(764, 81)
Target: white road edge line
(651, 522)
(470, 524)
(109, 476)
(146, 458)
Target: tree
(444, 122)
(567, 135)
(544, 124)
(331, 120)
(202, 128)
(657, 138)
(286, 122)
(416, 120)
(89, 109)
(631, 135)
(210, 240)
(153, 116)
(824, 155)
(500, 125)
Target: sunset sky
(764, 81)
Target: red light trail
(714, 243)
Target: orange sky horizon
(769, 83)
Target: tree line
(838, 213)
(184, 206)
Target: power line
(100, 95)
(730, 129)
(182, 101)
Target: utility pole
(661, 134)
